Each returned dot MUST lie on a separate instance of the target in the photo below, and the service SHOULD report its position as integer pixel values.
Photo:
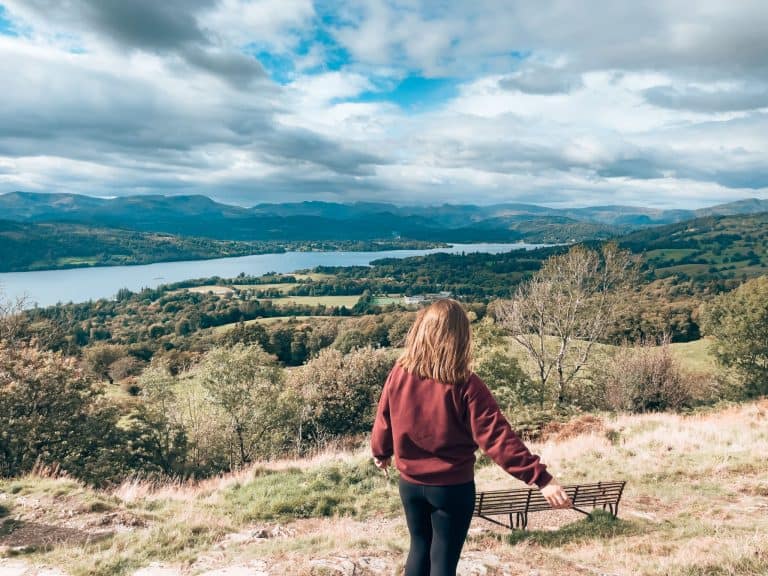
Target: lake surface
(49, 287)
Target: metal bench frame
(517, 504)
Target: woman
(433, 414)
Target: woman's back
(433, 430)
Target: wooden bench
(517, 504)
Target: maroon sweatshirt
(434, 429)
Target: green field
(282, 287)
(387, 300)
(337, 301)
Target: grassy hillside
(723, 247)
(694, 505)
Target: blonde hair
(439, 344)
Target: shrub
(52, 414)
(244, 382)
(645, 378)
(339, 392)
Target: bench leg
(521, 520)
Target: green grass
(344, 489)
(695, 355)
(283, 287)
(599, 525)
(269, 320)
(386, 300)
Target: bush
(52, 414)
(645, 378)
(244, 383)
(338, 393)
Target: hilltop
(44, 231)
(695, 504)
(201, 216)
(719, 247)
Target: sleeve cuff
(543, 479)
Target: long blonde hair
(439, 343)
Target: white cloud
(659, 103)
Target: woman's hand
(555, 495)
(382, 464)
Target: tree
(564, 309)
(100, 357)
(245, 382)
(52, 413)
(339, 392)
(13, 324)
(166, 437)
(738, 321)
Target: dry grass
(696, 504)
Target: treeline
(44, 246)
(224, 400)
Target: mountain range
(194, 215)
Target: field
(696, 504)
(337, 301)
(269, 320)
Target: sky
(658, 103)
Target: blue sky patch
(7, 28)
(415, 93)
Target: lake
(48, 287)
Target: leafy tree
(52, 413)
(100, 357)
(158, 411)
(565, 309)
(738, 320)
(245, 383)
(339, 392)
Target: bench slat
(525, 500)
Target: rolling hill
(201, 216)
(713, 247)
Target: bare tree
(12, 321)
(565, 308)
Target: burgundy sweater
(434, 429)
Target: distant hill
(200, 216)
(304, 221)
(25, 246)
(709, 248)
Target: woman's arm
(381, 436)
(496, 438)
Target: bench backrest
(526, 500)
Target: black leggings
(438, 519)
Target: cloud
(170, 27)
(708, 101)
(542, 80)
(658, 103)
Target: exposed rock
(254, 534)
(477, 564)
(340, 566)
(253, 568)
(20, 568)
(158, 569)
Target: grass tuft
(600, 525)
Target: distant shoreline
(279, 248)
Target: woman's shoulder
(473, 385)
